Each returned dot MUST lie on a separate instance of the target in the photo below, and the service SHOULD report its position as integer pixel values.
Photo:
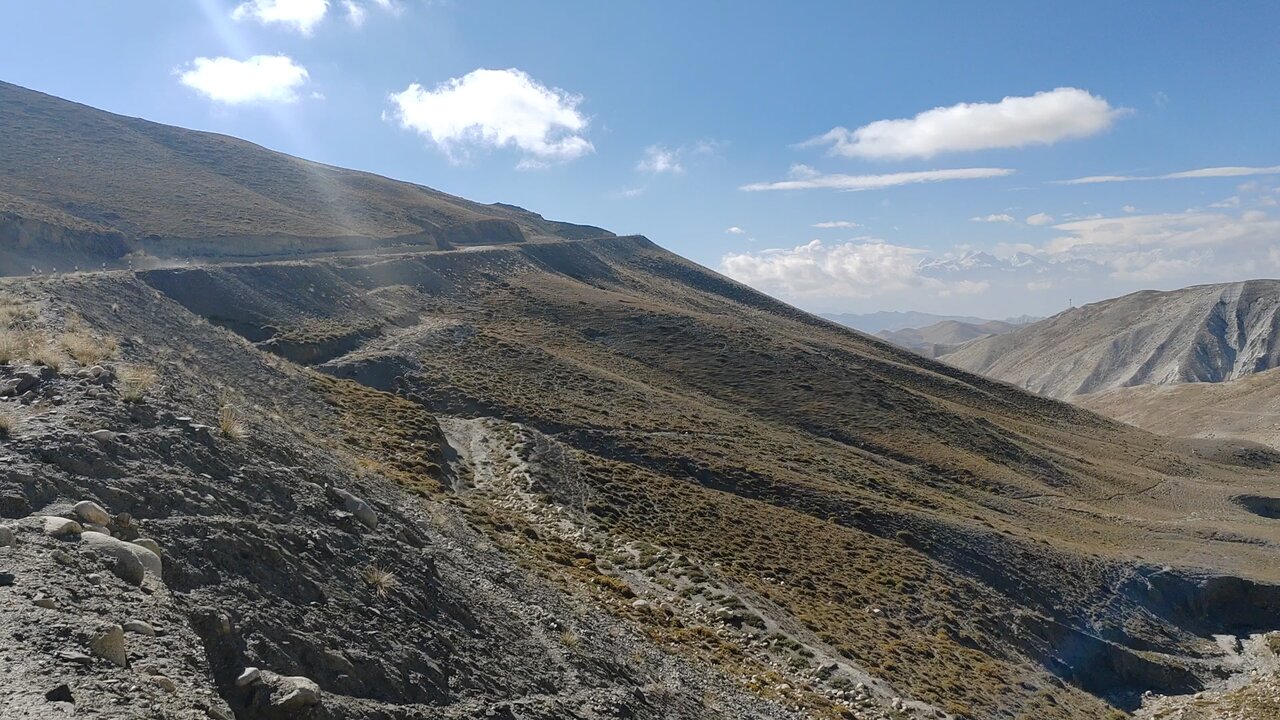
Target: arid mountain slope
(608, 482)
(79, 186)
(1206, 333)
(837, 484)
(1247, 408)
(946, 336)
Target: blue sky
(684, 120)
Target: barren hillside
(550, 478)
(1206, 333)
(85, 187)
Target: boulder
(248, 676)
(108, 643)
(91, 512)
(149, 544)
(292, 693)
(139, 627)
(61, 527)
(357, 507)
(103, 436)
(6, 536)
(132, 561)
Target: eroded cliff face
(1208, 333)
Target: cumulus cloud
(298, 15)
(1209, 172)
(658, 159)
(735, 230)
(1001, 218)
(837, 224)
(1040, 219)
(817, 271)
(1041, 119)
(261, 78)
(495, 109)
(804, 177)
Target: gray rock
(164, 683)
(6, 536)
(91, 512)
(149, 544)
(73, 656)
(97, 528)
(248, 676)
(103, 436)
(132, 561)
(140, 627)
(45, 602)
(108, 643)
(61, 527)
(358, 507)
(298, 692)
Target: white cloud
(261, 78)
(355, 12)
(1129, 209)
(1041, 119)
(804, 177)
(496, 108)
(658, 159)
(735, 230)
(1001, 218)
(837, 224)
(1210, 172)
(1040, 219)
(818, 271)
(299, 15)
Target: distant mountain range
(891, 321)
(1206, 333)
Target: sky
(996, 159)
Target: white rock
(140, 627)
(248, 676)
(97, 528)
(103, 436)
(91, 512)
(149, 544)
(109, 643)
(61, 527)
(358, 507)
(132, 561)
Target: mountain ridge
(1204, 333)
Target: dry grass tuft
(231, 423)
(8, 424)
(10, 346)
(135, 381)
(42, 352)
(87, 349)
(381, 581)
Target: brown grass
(232, 423)
(135, 382)
(8, 423)
(87, 349)
(381, 581)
